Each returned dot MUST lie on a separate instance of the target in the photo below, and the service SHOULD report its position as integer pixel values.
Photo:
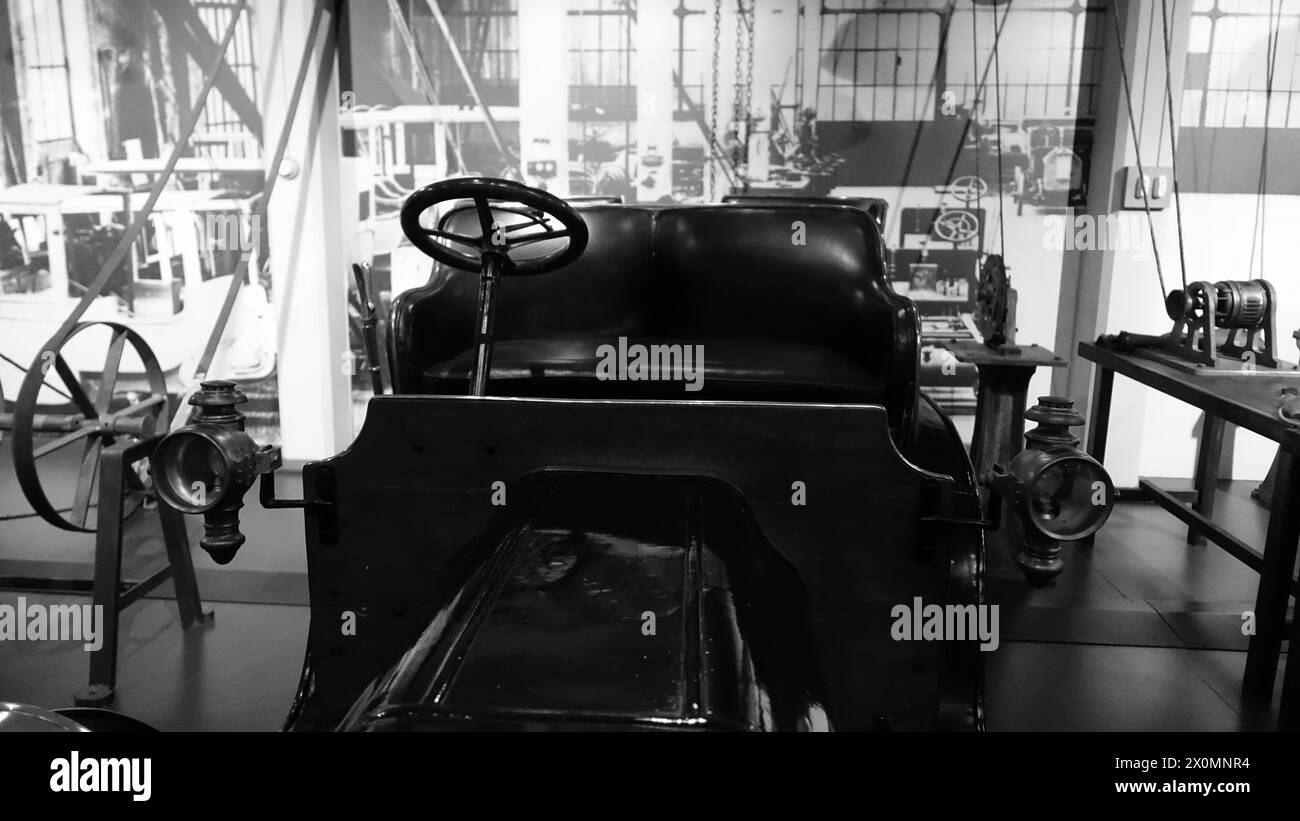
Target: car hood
(608, 601)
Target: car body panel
(824, 485)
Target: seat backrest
(876, 208)
(806, 273)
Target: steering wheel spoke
(533, 221)
(486, 221)
(530, 238)
(460, 239)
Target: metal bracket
(942, 504)
(322, 502)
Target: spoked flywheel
(110, 415)
(992, 301)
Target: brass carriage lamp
(1059, 493)
(207, 466)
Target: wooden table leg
(1274, 581)
(1099, 420)
(1099, 417)
(1289, 713)
(1208, 458)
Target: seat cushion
(588, 368)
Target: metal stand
(110, 592)
(1004, 375)
(1000, 403)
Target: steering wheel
(497, 238)
(490, 252)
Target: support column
(544, 95)
(83, 79)
(1088, 305)
(812, 43)
(309, 278)
(775, 48)
(13, 168)
(656, 56)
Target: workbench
(1250, 402)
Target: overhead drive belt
(272, 174)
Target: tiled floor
(1141, 633)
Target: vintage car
(642, 467)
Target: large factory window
(878, 64)
(1048, 53)
(602, 96)
(43, 45)
(486, 32)
(219, 117)
(1228, 65)
(694, 30)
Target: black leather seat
(781, 314)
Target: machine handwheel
(99, 420)
(956, 226)
(968, 188)
(991, 305)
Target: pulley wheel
(101, 419)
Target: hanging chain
(738, 85)
(749, 75)
(714, 145)
(975, 104)
(997, 120)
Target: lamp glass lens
(1069, 497)
(195, 471)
